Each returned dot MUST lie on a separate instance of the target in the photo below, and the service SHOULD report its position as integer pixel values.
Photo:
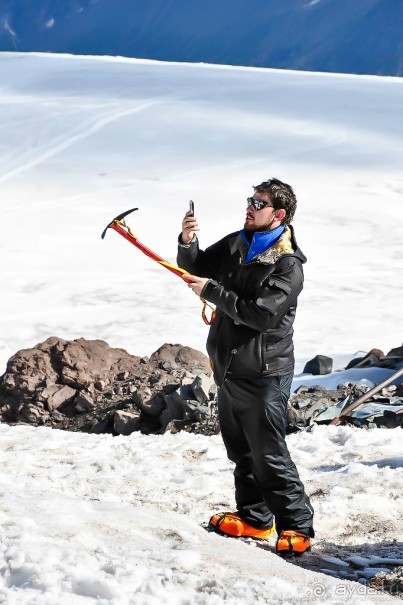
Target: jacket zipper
(232, 353)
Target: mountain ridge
(362, 37)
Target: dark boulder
(319, 365)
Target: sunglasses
(257, 204)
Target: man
(254, 277)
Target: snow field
(89, 519)
(117, 520)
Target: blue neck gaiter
(261, 241)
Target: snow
(87, 138)
(118, 520)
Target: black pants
(252, 416)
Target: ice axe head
(118, 218)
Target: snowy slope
(83, 139)
(96, 519)
(90, 519)
(352, 36)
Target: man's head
(280, 205)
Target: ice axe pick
(119, 225)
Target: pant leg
(250, 502)
(260, 406)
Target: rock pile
(315, 404)
(86, 385)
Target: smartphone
(192, 207)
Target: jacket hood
(297, 250)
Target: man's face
(260, 220)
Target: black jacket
(255, 303)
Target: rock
(49, 391)
(319, 365)
(86, 361)
(174, 410)
(57, 416)
(125, 423)
(201, 386)
(186, 391)
(31, 413)
(30, 370)
(187, 377)
(84, 402)
(79, 364)
(154, 406)
(62, 396)
(183, 357)
(394, 358)
(213, 392)
(103, 426)
(302, 403)
(303, 388)
(154, 379)
(168, 365)
(372, 358)
(390, 582)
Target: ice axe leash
(118, 224)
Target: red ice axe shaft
(118, 224)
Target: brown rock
(87, 361)
(185, 357)
(28, 371)
(79, 364)
(48, 392)
(31, 413)
(84, 402)
(154, 406)
(59, 397)
(124, 423)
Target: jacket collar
(261, 241)
(238, 246)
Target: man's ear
(280, 214)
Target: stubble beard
(257, 229)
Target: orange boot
(230, 524)
(291, 543)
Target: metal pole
(366, 396)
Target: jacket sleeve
(276, 296)
(203, 263)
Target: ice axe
(118, 224)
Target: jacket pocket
(279, 355)
(247, 356)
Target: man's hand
(189, 226)
(195, 283)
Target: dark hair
(281, 196)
